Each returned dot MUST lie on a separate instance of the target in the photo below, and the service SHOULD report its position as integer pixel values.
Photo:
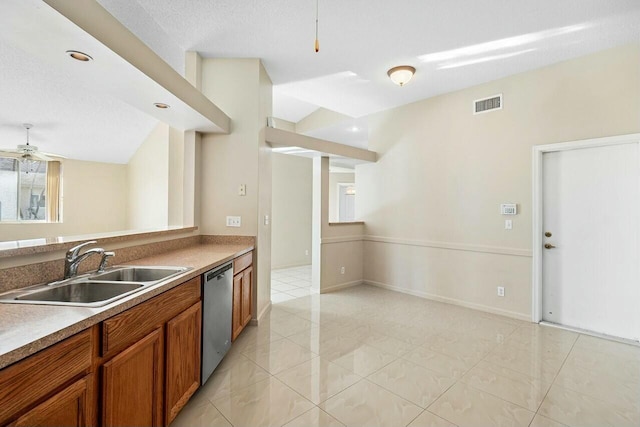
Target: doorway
(586, 235)
(346, 202)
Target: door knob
(548, 234)
(548, 246)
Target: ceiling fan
(29, 152)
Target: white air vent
(485, 105)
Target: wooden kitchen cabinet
(132, 384)
(242, 293)
(247, 297)
(69, 407)
(236, 324)
(39, 388)
(137, 368)
(155, 366)
(183, 359)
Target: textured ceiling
(452, 43)
(67, 119)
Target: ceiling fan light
(401, 74)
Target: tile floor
(290, 283)
(370, 357)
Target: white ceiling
(67, 121)
(69, 118)
(452, 43)
(359, 41)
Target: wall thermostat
(509, 209)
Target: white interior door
(590, 264)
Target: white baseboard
(341, 286)
(258, 319)
(627, 341)
(452, 301)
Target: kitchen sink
(82, 292)
(94, 289)
(137, 274)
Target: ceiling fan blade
(42, 157)
(11, 153)
(60, 156)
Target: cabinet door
(132, 384)
(31, 380)
(182, 359)
(247, 280)
(236, 325)
(70, 407)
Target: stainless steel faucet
(74, 258)
(103, 261)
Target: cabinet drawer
(128, 327)
(26, 382)
(242, 262)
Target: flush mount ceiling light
(402, 74)
(161, 105)
(79, 56)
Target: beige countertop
(26, 329)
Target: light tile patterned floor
(290, 283)
(370, 357)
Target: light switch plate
(234, 221)
(242, 190)
(508, 224)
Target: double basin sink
(96, 289)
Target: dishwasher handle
(219, 273)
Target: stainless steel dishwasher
(216, 317)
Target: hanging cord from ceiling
(317, 46)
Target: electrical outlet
(306, 252)
(500, 291)
(342, 270)
(234, 221)
(266, 220)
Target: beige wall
(242, 89)
(321, 118)
(262, 299)
(148, 180)
(291, 207)
(176, 178)
(334, 246)
(336, 178)
(431, 203)
(94, 201)
(231, 160)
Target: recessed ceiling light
(161, 105)
(79, 56)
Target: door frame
(537, 194)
